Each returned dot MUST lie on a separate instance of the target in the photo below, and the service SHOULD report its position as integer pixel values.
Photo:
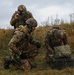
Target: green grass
(42, 67)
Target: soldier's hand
(16, 16)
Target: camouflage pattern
(25, 64)
(23, 42)
(15, 22)
(31, 22)
(51, 42)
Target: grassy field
(42, 67)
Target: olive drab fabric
(62, 51)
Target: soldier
(22, 46)
(54, 37)
(20, 16)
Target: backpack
(62, 51)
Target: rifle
(18, 62)
(30, 54)
(21, 18)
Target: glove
(38, 44)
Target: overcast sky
(41, 9)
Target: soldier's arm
(65, 40)
(13, 42)
(35, 42)
(13, 20)
(47, 43)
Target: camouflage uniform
(22, 45)
(21, 40)
(51, 41)
(26, 15)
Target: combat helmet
(31, 22)
(22, 7)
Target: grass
(42, 67)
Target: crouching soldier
(23, 48)
(56, 38)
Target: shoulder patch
(24, 29)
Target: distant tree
(71, 17)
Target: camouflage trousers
(24, 65)
(26, 57)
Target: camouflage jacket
(21, 40)
(51, 41)
(15, 23)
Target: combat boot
(7, 61)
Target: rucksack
(62, 51)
